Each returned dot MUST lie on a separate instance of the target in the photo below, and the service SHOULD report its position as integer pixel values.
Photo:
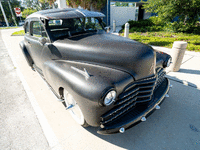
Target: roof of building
(65, 13)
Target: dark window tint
(68, 27)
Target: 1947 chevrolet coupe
(104, 80)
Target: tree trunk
(185, 19)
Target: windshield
(68, 27)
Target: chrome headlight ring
(110, 98)
(167, 62)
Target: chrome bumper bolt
(157, 107)
(143, 119)
(101, 126)
(166, 95)
(121, 130)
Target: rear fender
(26, 54)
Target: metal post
(62, 4)
(12, 13)
(178, 51)
(4, 15)
(114, 25)
(126, 32)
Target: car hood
(109, 50)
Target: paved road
(19, 126)
(175, 126)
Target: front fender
(89, 91)
(161, 59)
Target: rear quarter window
(26, 28)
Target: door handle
(29, 43)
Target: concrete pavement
(189, 73)
(19, 126)
(175, 126)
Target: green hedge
(154, 24)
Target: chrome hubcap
(73, 108)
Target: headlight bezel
(109, 97)
(167, 62)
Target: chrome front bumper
(138, 113)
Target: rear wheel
(74, 109)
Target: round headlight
(169, 62)
(110, 98)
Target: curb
(48, 132)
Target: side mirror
(42, 40)
(107, 29)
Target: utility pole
(12, 13)
(4, 15)
(108, 12)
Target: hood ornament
(84, 73)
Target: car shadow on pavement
(175, 125)
(185, 81)
(189, 71)
(138, 136)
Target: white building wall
(121, 15)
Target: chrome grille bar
(137, 92)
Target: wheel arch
(88, 92)
(26, 54)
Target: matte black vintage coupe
(104, 80)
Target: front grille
(135, 93)
(160, 77)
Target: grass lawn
(166, 39)
(8, 27)
(18, 33)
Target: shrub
(156, 20)
(185, 28)
(27, 12)
(154, 24)
(144, 25)
(140, 23)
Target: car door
(36, 48)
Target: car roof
(65, 13)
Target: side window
(92, 24)
(37, 29)
(26, 28)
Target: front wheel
(74, 109)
